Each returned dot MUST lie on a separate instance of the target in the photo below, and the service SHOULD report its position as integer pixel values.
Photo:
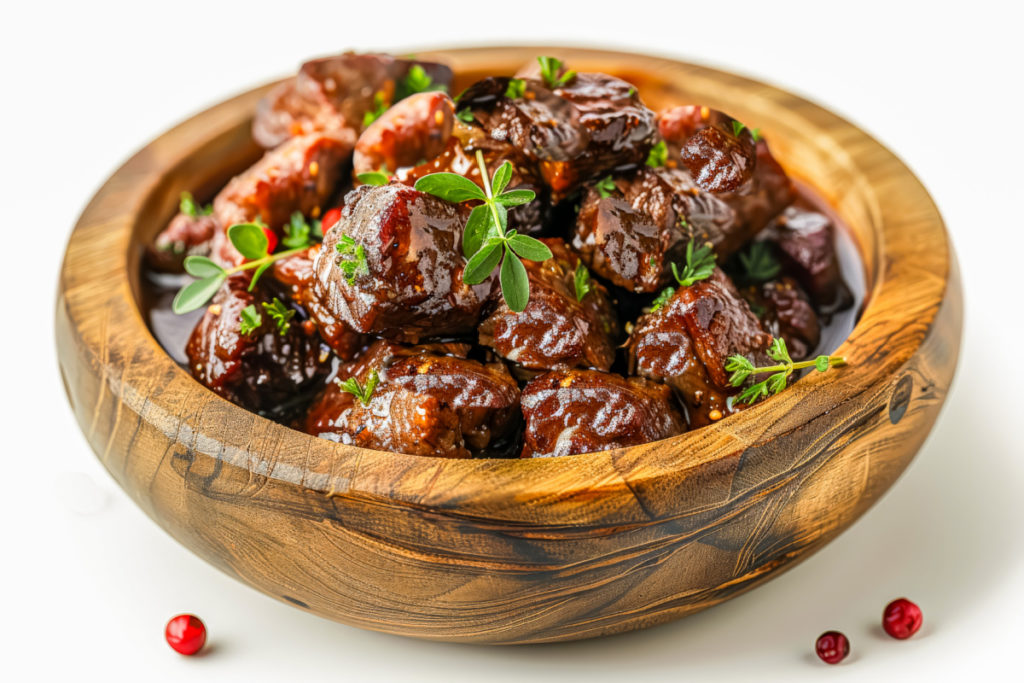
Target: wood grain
(533, 550)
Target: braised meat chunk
(264, 367)
(563, 326)
(393, 266)
(785, 311)
(338, 92)
(805, 242)
(422, 402)
(568, 412)
(187, 234)
(687, 341)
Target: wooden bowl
(518, 551)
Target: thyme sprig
(700, 264)
(362, 392)
(741, 369)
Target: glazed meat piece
(416, 129)
(706, 142)
(425, 403)
(556, 330)
(805, 242)
(335, 93)
(632, 236)
(687, 342)
(185, 235)
(300, 175)
(295, 274)
(392, 266)
(568, 412)
(262, 370)
(785, 311)
(593, 124)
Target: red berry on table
(330, 219)
(832, 647)
(186, 634)
(271, 240)
(901, 618)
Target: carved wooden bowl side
(518, 551)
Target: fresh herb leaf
(581, 280)
(632, 91)
(201, 266)
(418, 80)
(280, 314)
(379, 107)
(373, 178)
(195, 294)
(662, 298)
(778, 375)
(363, 393)
(516, 88)
(605, 186)
(759, 262)
(756, 134)
(486, 238)
(296, 232)
(465, 115)
(187, 205)
(250, 240)
(737, 128)
(549, 68)
(658, 156)
(451, 187)
(700, 264)
(352, 258)
(250, 320)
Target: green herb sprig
(759, 263)
(605, 186)
(581, 281)
(549, 68)
(658, 156)
(742, 369)
(516, 88)
(249, 320)
(361, 392)
(187, 205)
(662, 298)
(465, 115)
(280, 314)
(700, 264)
(486, 240)
(379, 107)
(252, 243)
(417, 80)
(352, 259)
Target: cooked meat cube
(392, 266)
(262, 370)
(425, 403)
(556, 330)
(805, 241)
(296, 274)
(300, 175)
(335, 93)
(785, 311)
(687, 342)
(568, 412)
(632, 236)
(718, 159)
(592, 125)
(184, 236)
(416, 129)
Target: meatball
(568, 412)
(556, 330)
(334, 93)
(392, 266)
(687, 341)
(425, 402)
(262, 370)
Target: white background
(89, 581)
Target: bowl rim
(909, 267)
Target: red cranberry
(186, 634)
(901, 618)
(832, 647)
(330, 219)
(271, 240)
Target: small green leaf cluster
(187, 205)
(417, 80)
(549, 68)
(658, 156)
(662, 298)
(741, 369)
(361, 392)
(280, 314)
(250, 320)
(251, 242)
(516, 88)
(352, 258)
(581, 281)
(380, 106)
(487, 240)
(759, 263)
(605, 186)
(700, 264)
